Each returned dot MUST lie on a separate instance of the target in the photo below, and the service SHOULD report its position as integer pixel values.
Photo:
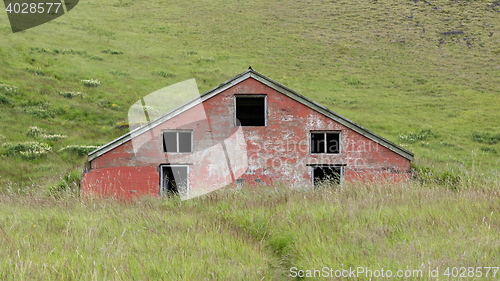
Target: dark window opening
(174, 180)
(327, 174)
(177, 142)
(317, 143)
(325, 142)
(184, 141)
(250, 111)
(333, 143)
(170, 141)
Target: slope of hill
(424, 74)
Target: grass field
(423, 74)
(248, 235)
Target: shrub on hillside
(54, 137)
(36, 70)
(28, 150)
(95, 57)
(71, 95)
(165, 74)
(40, 112)
(80, 150)
(41, 50)
(36, 132)
(487, 149)
(8, 89)
(113, 52)
(91, 83)
(487, 138)
(4, 99)
(412, 137)
(119, 73)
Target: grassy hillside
(424, 74)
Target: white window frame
(173, 165)
(251, 96)
(326, 148)
(177, 140)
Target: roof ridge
(251, 73)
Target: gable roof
(250, 73)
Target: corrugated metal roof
(250, 73)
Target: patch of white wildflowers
(91, 82)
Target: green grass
(395, 67)
(249, 234)
(423, 74)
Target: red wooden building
(248, 130)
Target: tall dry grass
(250, 233)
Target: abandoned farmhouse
(248, 130)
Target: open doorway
(328, 174)
(174, 180)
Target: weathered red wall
(276, 152)
(120, 182)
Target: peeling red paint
(120, 182)
(276, 152)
